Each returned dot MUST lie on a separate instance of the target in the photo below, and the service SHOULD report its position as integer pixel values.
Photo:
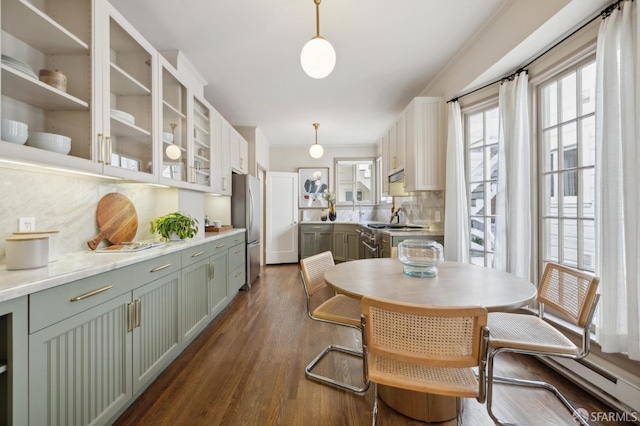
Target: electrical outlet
(438, 217)
(26, 224)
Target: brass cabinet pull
(100, 148)
(238, 251)
(212, 271)
(220, 245)
(316, 227)
(130, 314)
(110, 148)
(160, 268)
(138, 306)
(91, 293)
(197, 254)
(237, 239)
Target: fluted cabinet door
(194, 296)
(218, 293)
(79, 368)
(156, 340)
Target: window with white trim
(481, 143)
(566, 132)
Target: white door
(282, 218)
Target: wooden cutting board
(117, 220)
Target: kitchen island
(107, 324)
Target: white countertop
(75, 266)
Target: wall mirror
(355, 180)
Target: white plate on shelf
(124, 116)
(19, 66)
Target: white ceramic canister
(54, 238)
(27, 251)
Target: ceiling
(249, 53)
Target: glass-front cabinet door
(173, 119)
(202, 138)
(125, 141)
(47, 71)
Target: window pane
(588, 98)
(569, 137)
(550, 140)
(491, 169)
(550, 207)
(588, 141)
(493, 126)
(549, 105)
(491, 194)
(570, 242)
(476, 164)
(589, 238)
(588, 182)
(568, 100)
(476, 129)
(551, 240)
(477, 233)
(477, 200)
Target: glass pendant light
(316, 151)
(318, 58)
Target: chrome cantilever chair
(338, 309)
(425, 348)
(566, 290)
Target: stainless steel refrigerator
(245, 213)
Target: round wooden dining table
(457, 284)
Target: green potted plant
(175, 226)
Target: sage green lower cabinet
(218, 289)
(315, 239)
(194, 295)
(346, 243)
(156, 340)
(80, 368)
(14, 362)
(237, 267)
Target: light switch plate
(26, 224)
(438, 218)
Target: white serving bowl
(50, 141)
(167, 137)
(14, 131)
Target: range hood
(396, 185)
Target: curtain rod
(604, 13)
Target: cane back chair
(338, 309)
(424, 348)
(570, 292)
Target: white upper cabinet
(397, 146)
(220, 156)
(202, 139)
(239, 152)
(125, 108)
(424, 168)
(175, 155)
(54, 35)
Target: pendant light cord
(317, 2)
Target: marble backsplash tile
(66, 203)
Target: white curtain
(513, 204)
(456, 215)
(617, 177)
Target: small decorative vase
(174, 237)
(332, 212)
(323, 215)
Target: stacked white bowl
(14, 131)
(50, 141)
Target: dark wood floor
(247, 368)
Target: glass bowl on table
(420, 257)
